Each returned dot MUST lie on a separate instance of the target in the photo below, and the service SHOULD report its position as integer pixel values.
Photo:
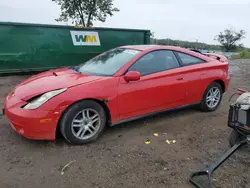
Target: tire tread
(68, 115)
(203, 106)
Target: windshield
(107, 64)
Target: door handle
(180, 79)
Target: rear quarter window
(189, 59)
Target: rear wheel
(212, 97)
(83, 122)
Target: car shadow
(117, 130)
(148, 121)
(43, 143)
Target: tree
(229, 38)
(186, 44)
(84, 12)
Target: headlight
(42, 99)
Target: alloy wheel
(213, 97)
(86, 124)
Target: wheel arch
(202, 104)
(102, 102)
(218, 81)
(222, 84)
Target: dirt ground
(120, 158)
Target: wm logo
(85, 38)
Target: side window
(155, 61)
(188, 59)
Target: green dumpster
(37, 47)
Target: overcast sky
(176, 19)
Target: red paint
(129, 95)
(241, 91)
(217, 56)
(132, 76)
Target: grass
(241, 55)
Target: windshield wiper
(74, 68)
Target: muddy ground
(120, 158)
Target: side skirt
(153, 113)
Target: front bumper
(33, 124)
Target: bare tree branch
(84, 12)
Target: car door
(195, 69)
(160, 85)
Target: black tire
(68, 116)
(235, 137)
(203, 105)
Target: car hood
(51, 80)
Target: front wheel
(83, 122)
(212, 97)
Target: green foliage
(185, 44)
(152, 34)
(84, 12)
(194, 45)
(242, 55)
(229, 38)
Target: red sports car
(122, 84)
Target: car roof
(140, 47)
(151, 47)
(163, 47)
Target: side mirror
(132, 76)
